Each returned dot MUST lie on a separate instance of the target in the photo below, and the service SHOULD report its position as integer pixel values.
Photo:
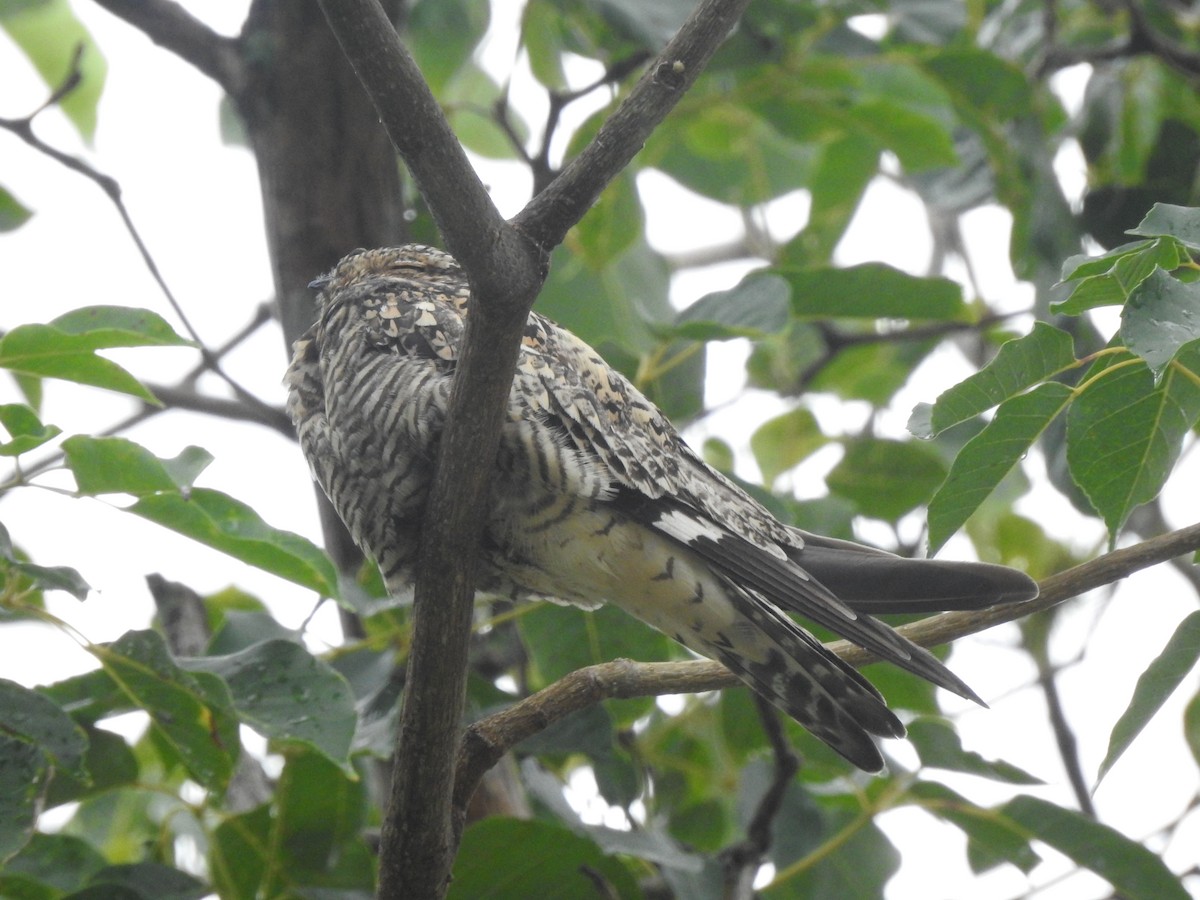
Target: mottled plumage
(595, 498)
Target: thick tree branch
(505, 271)
(418, 844)
(490, 738)
(498, 263)
(172, 27)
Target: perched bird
(595, 499)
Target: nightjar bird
(596, 499)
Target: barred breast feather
(596, 499)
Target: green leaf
(1163, 314)
(285, 693)
(722, 150)
(1191, 727)
(13, 214)
(34, 717)
(562, 639)
(783, 442)
(858, 864)
(992, 839)
(320, 811)
(873, 291)
(23, 772)
(46, 578)
(509, 859)
(165, 496)
(122, 823)
(990, 86)
(60, 861)
(113, 465)
(49, 34)
(1154, 686)
(1135, 872)
(1124, 433)
(885, 479)
(109, 763)
(102, 327)
(223, 523)
(442, 35)
(617, 306)
(1167, 253)
(25, 429)
(756, 306)
(540, 40)
(240, 852)
(66, 348)
(872, 371)
(145, 879)
(987, 458)
(1117, 282)
(89, 697)
(846, 166)
(470, 100)
(191, 713)
(918, 140)
(717, 454)
(1019, 364)
(939, 747)
(1180, 222)
(611, 226)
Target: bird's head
(408, 263)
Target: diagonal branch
(551, 213)
(172, 27)
(23, 129)
(490, 738)
(417, 843)
(506, 270)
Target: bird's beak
(318, 284)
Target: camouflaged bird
(596, 499)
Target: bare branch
(235, 410)
(172, 27)
(543, 172)
(477, 236)
(505, 270)
(417, 842)
(23, 128)
(490, 738)
(552, 212)
(742, 860)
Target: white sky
(196, 203)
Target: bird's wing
(656, 480)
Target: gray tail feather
(808, 682)
(875, 582)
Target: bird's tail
(796, 673)
(874, 581)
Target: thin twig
(1064, 735)
(23, 128)
(543, 172)
(741, 861)
(552, 212)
